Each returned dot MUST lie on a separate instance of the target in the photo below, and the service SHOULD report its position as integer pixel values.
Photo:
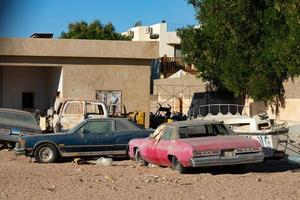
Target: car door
(72, 114)
(162, 147)
(124, 132)
(97, 138)
(149, 151)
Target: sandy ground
(23, 179)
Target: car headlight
(20, 143)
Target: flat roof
(41, 47)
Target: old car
(67, 113)
(14, 123)
(195, 143)
(90, 138)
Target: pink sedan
(195, 143)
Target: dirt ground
(22, 179)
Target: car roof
(192, 123)
(15, 111)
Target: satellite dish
(138, 23)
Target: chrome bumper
(220, 161)
(19, 151)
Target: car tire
(46, 153)
(139, 159)
(176, 165)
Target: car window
(97, 127)
(126, 125)
(220, 129)
(92, 108)
(18, 119)
(202, 130)
(192, 131)
(167, 133)
(74, 108)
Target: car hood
(220, 142)
(45, 135)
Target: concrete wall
(42, 81)
(87, 66)
(291, 110)
(82, 81)
(78, 48)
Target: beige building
(164, 33)
(169, 47)
(34, 71)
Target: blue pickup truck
(90, 138)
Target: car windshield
(18, 120)
(202, 130)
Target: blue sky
(21, 18)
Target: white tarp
(180, 73)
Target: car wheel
(139, 159)
(46, 153)
(176, 165)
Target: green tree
(249, 47)
(95, 30)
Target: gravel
(21, 178)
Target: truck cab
(68, 113)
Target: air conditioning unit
(130, 33)
(149, 30)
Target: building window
(113, 99)
(177, 51)
(28, 100)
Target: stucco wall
(82, 81)
(291, 110)
(41, 81)
(87, 66)
(78, 48)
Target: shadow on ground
(270, 166)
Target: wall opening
(28, 100)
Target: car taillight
(207, 153)
(249, 150)
(5, 131)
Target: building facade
(33, 72)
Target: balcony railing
(173, 64)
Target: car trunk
(220, 142)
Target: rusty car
(90, 138)
(195, 143)
(69, 112)
(14, 123)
